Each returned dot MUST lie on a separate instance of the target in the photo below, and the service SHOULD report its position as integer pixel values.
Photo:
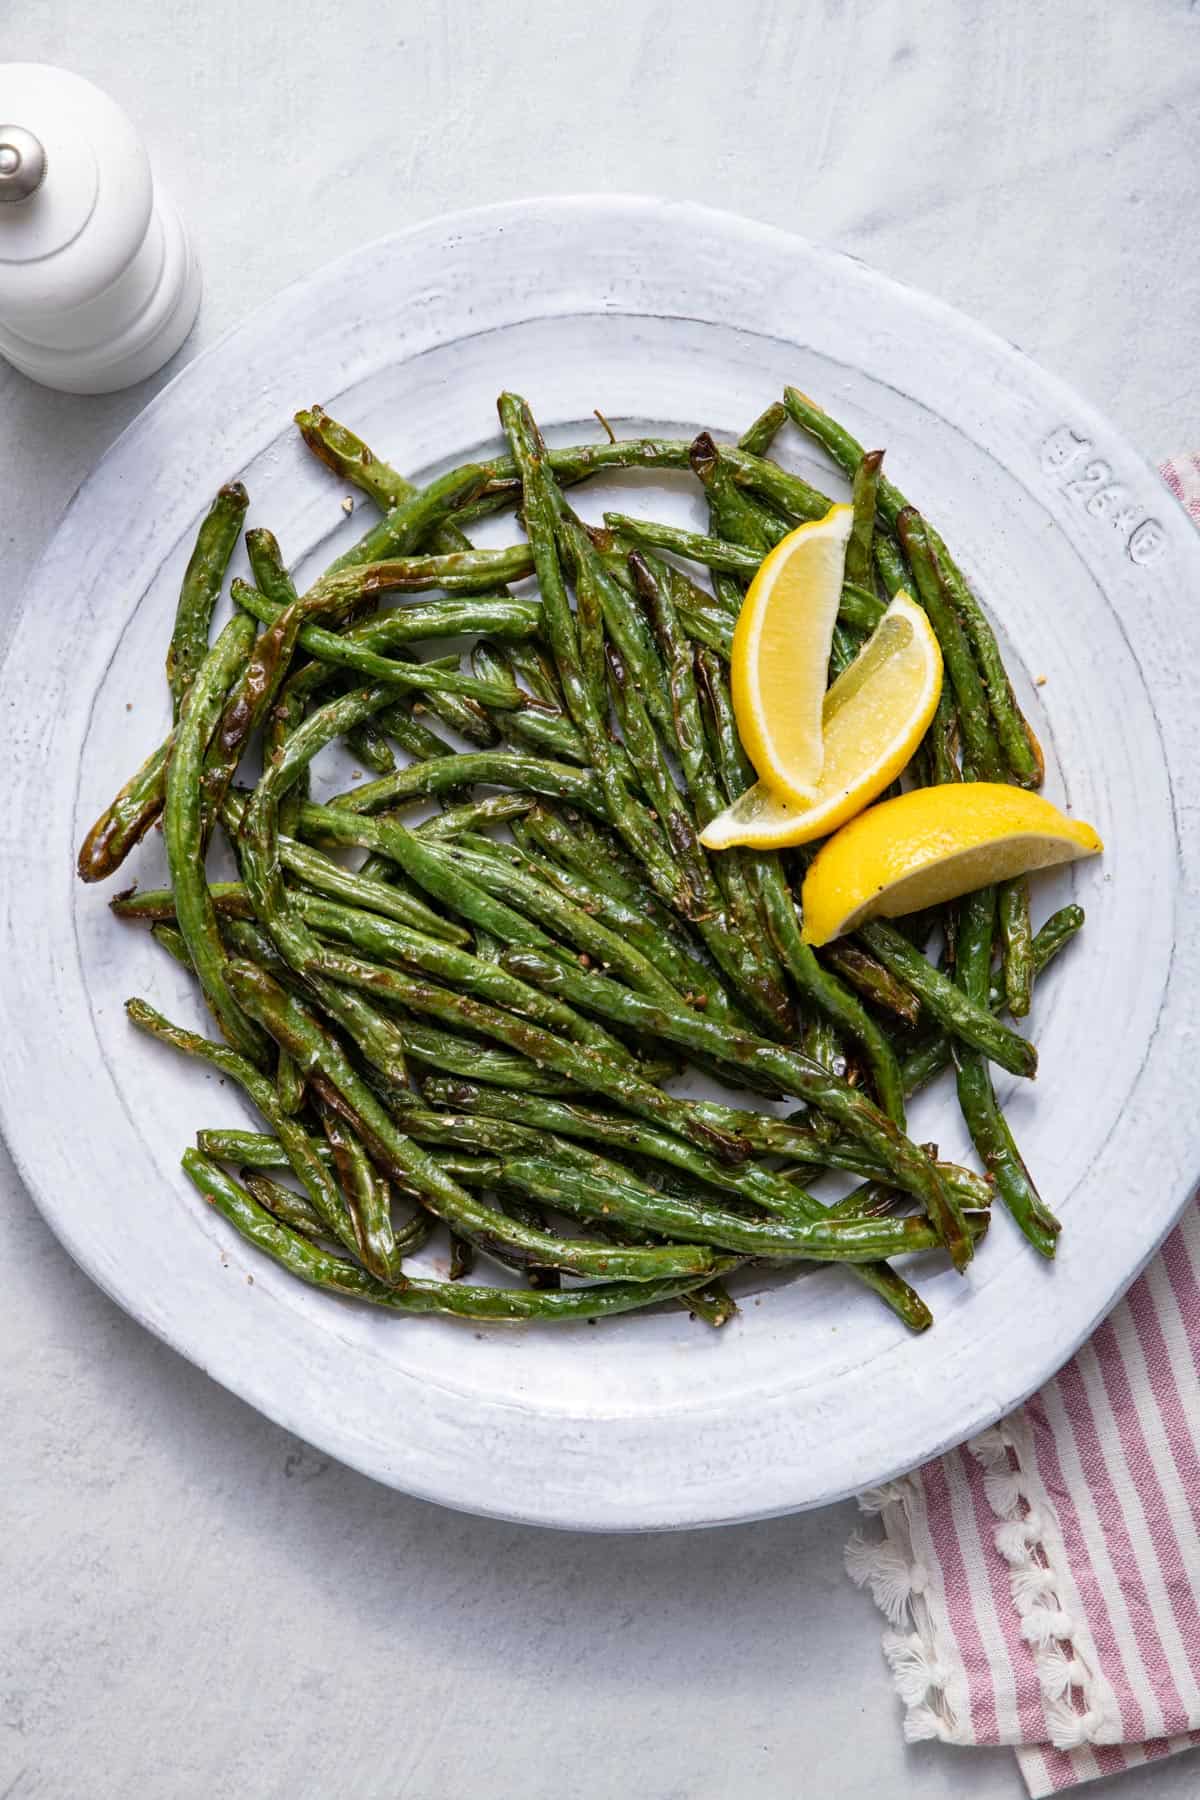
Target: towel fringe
(889, 1493)
(1077, 1704)
(920, 1723)
(926, 1669)
(931, 1687)
(883, 1568)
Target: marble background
(195, 1606)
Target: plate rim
(62, 1215)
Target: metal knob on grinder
(22, 164)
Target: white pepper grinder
(98, 283)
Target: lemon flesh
(780, 654)
(873, 718)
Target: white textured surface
(191, 1610)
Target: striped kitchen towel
(1042, 1582)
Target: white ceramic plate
(672, 318)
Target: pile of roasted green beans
(477, 1024)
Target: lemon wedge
(873, 718)
(780, 656)
(930, 845)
